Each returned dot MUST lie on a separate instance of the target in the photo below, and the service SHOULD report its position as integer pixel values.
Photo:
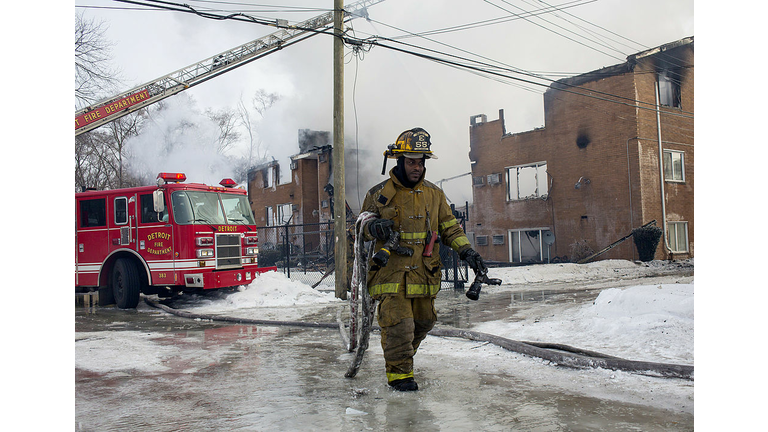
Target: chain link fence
(302, 252)
(305, 253)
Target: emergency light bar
(227, 182)
(171, 177)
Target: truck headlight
(204, 253)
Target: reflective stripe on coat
(415, 213)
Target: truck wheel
(125, 284)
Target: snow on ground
(645, 322)
(270, 290)
(650, 322)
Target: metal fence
(305, 253)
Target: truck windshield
(197, 207)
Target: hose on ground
(558, 354)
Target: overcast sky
(387, 92)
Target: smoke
(178, 137)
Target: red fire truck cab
(166, 239)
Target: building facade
(304, 194)
(615, 153)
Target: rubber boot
(405, 384)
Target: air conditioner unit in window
(294, 165)
(494, 178)
(481, 240)
(478, 181)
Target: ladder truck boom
(117, 106)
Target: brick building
(592, 173)
(303, 197)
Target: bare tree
(94, 76)
(100, 155)
(261, 102)
(226, 120)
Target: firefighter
(407, 285)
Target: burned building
(615, 153)
(303, 195)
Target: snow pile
(647, 322)
(571, 272)
(270, 290)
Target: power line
(375, 41)
(635, 103)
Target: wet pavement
(151, 371)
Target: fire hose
(556, 354)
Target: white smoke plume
(179, 138)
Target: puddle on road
(455, 310)
(235, 377)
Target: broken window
(284, 213)
(268, 176)
(673, 166)
(669, 88)
(527, 181)
(677, 236)
(270, 215)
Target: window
(527, 181)
(121, 211)
(270, 215)
(677, 236)
(669, 88)
(268, 176)
(196, 207)
(93, 212)
(236, 209)
(527, 246)
(148, 213)
(673, 166)
(284, 213)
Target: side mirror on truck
(158, 201)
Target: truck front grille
(228, 251)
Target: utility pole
(339, 192)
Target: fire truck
(165, 239)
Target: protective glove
(474, 260)
(380, 228)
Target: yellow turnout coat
(415, 213)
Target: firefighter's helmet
(413, 143)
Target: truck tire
(126, 284)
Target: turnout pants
(404, 323)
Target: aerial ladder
(117, 106)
